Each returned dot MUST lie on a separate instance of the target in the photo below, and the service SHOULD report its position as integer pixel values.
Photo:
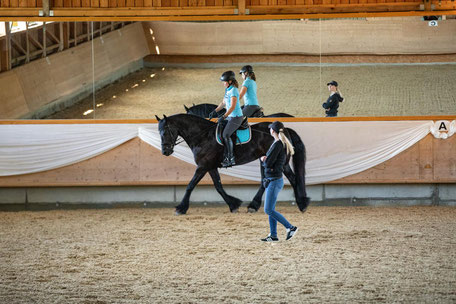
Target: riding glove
(221, 119)
(212, 114)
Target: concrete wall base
(322, 195)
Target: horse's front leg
(183, 206)
(255, 204)
(233, 202)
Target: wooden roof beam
(398, 9)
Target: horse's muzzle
(167, 151)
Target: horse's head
(197, 110)
(168, 135)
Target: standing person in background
(249, 92)
(273, 163)
(332, 104)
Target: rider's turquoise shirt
(232, 91)
(250, 97)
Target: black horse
(204, 109)
(199, 134)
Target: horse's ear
(158, 118)
(186, 109)
(164, 116)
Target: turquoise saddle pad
(242, 136)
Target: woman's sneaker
(270, 239)
(291, 232)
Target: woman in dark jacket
(273, 163)
(332, 104)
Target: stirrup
(228, 162)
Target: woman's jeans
(272, 191)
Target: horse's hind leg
(183, 206)
(233, 202)
(255, 204)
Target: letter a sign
(443, 129)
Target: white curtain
(34, 148)
(334, 149)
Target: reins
(177, 142)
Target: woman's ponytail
(286, 142)
(252, 76)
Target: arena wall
(55, 82)
(137, 163)
(136, 172)
(403, 35)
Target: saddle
(242, 135)
(258, 113)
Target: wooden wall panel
(5, 3)
(444, 158)
(12, 101)
(403, 168)
(371, 36)
(38, 87)
(137, 163)
(126, 45)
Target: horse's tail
(299, 168)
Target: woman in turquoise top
(249, 92)
(233, 114)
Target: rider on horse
(233, 115)
(249, 92)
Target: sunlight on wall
(157, 49)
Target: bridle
(174, 134)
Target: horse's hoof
(179, 213)
(235, 210)
(303, 210)
(251, 210)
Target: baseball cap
(276, 126)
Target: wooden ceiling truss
(40, 41)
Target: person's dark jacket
(332, 104)
(275, 160)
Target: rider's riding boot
(228, 161)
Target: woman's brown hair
(252, 76)
(234, 82)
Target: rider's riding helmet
(227, 76)
(246, 68)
